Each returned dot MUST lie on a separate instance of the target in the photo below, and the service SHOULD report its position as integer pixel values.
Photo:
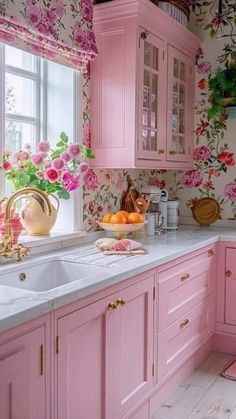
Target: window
(38, 100)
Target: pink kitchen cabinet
(230, 286)
(104, 361)
(23, 376)
(142, 87)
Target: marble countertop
(18, 305)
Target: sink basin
(46, 275)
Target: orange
(124, 213)
(135, 218)
(107, 217)
(118, 219)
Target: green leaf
(63, 194)
(64, 138)
(88, 153)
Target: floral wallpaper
(214, 172)
(105, 188)
(57, 30)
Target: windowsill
(53, 238)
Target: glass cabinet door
(151, 136)
(178, 93)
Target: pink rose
(43, 146)
(90, 180)
(70, 181)
(230, 191)
(51, 175)
(192, 179)
(204, 67)
(6, 165)
(66, 157)
(74, 150)
(83, 167)
(201, 153)
(58, 164)
(38, 158)
(33, 14)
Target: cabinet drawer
(183, 287)
(184, 336)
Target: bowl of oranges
(122, 223)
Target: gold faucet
(7, 248)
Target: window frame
(40, 119)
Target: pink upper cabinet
(142, 87)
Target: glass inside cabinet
(150, 93)
(179, 107)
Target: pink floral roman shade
(60, 30)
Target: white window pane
(20, 95)
(17, 134)
(20, 59)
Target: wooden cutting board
(206, 211)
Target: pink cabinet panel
(182, 338)
(184, 286)
(230, 286)
(105, 356)
(22, 377)
(134, 365)
(86, 340)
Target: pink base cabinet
(225, 337)
(142, 87)
(104, 364)
(115, 354)
(25, 372)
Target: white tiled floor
(204, 395)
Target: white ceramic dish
(121, 230)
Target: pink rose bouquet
(59, 170)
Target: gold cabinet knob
(172, 152)
(120, 302)
(184, 323)
(185, 277)
(112, 306)
(210, 252)
(161, 151)
(228, 273)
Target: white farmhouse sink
(45, 275)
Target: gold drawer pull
(185, 277)
(210, 252)
(120, 302)
(184, 323)
(161, 151)
(112, 306)
(228, 273)
(172, 152)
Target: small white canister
(150, 226)
(172, 214)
